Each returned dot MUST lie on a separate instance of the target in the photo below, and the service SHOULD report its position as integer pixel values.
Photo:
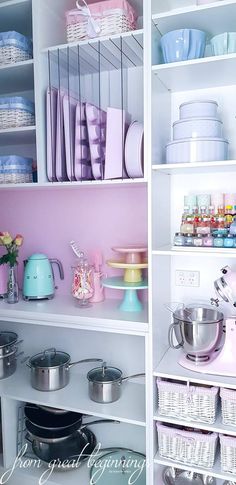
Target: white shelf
(197, 73)
(213, 472)
(197, 17)
(217, 427)
(170, 250)
(117, 49)
(171, 369)
(196, 167)
(63, 311)
(16, 77)
(17, 136)
(131, 183)
(130, 408)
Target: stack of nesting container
(197, 135)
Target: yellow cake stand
(133, 271)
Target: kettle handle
(60, 267)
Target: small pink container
(3, 279)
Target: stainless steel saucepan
(105, 383)
(50, 370)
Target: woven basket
(17, 178)
(228, 406)
(11, 54)
(12, 118)
(186, 402)
(228, 454)
(188, 447)
(111, 16)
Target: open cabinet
(208, 78)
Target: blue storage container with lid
(14, 47)
(16, 111)
(15, 169)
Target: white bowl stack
(197, 135)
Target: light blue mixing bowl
(183, 45)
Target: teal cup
(224, 44)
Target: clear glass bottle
(12, 286)
(229, 241)
(187, 226)
(188, 240)
(218, 241)
(83, 281)
(204, 226)
(212, 217)
(179, 239)
(232, 228)
(207, 240)
(197, 240)
(228, 215)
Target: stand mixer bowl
(198, 331)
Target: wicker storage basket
(15, 170)
(192, 403)
(110, 17)
(14, 47)
(188, 447)
(228, 454)
(228, 406)
(16, 112)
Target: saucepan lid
(49, 358)
(123, 466)
(104, 374)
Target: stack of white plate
(197, 135)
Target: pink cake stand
(133, 253)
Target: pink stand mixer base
(221, 363)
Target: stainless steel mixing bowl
(198, 330)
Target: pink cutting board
(51, 107)
(69, 110)
(61, 173)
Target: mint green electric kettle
(39, 280)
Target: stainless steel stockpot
(50, 370)
(105, 383)
(198, 330)
(8, 343)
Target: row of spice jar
(215, 239)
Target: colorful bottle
(228, 215)
(229, 241)
(179, 239)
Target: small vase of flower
(12, 246)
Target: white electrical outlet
(187, 278)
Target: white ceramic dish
(198, 109)
(197, 150)
(134, 150)
(197, 128)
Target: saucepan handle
(132, 377)
(84, 361)
(112, 421)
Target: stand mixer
(221, 362)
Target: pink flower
(19, 240)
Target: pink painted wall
(96, 218)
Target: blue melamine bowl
(183, 45)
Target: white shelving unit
(172, 84)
